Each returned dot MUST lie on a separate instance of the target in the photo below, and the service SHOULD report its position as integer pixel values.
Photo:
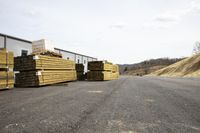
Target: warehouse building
(78, 58)
(22, 47)
(17, 45)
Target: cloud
(33, 12)
(166, 18)
(195, 7)
(117, 26)
(170, 18)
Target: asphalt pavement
(127, 105)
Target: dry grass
(189, 67)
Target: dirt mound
(189, 67)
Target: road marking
(115, 123)
(128, 132)
(144, 126)
(15, 125)
(95, 91)
(149, 100)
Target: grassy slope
(189, 67)
(147, 67)
(144, 71)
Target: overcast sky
(121, 31)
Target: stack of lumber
(115, 72)
(44, 47)
(39, 70)
(6, 59)
(40, 62)
(41, 46)
(102, 70)
(80, 72)
(48, 53)
(6, 70)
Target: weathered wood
(102, 70)
(79, 67)
(115, 68)
(99, 75)
(39, 70)
(100, 66)
(6, 59)
(48, 53)
(6, 80)
(80, 72)
(102, 75)
(6, 86)
(46, 77)
(80, 76)
(115, 75)
(42, 45)
(40, 62)
(6, 69)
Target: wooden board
(79, 67)
(100, 66)
(102, 70)
(6, 59)
(42, 62)
(6, 80)
(80, 76)
(115, 68)
(48, 53)
(102, 75)
(6, 86)
(115, 75)
(47, 77)
(99, 75)
(6, 74)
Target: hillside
(189, 67)
(146, 67)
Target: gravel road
(127, 105)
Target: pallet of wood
(102, 70)
(80, 76)
(79, 67)
(99, 75)
(36, 62)
(80, 72)
(6, 59)
(44, 77)
(115, 75)
(39, 70)
(42, 45)
(115, 68)
(6, 80)
(48, 53)
(100, 66)
(6, 70)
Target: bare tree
(196, 48)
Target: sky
(120, 31)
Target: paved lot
(127, 105)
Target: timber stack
(44, 47)
(49, 53)
(115, 71)
(39, 70)
(102, 70)
(80, 72)
(6, 69)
